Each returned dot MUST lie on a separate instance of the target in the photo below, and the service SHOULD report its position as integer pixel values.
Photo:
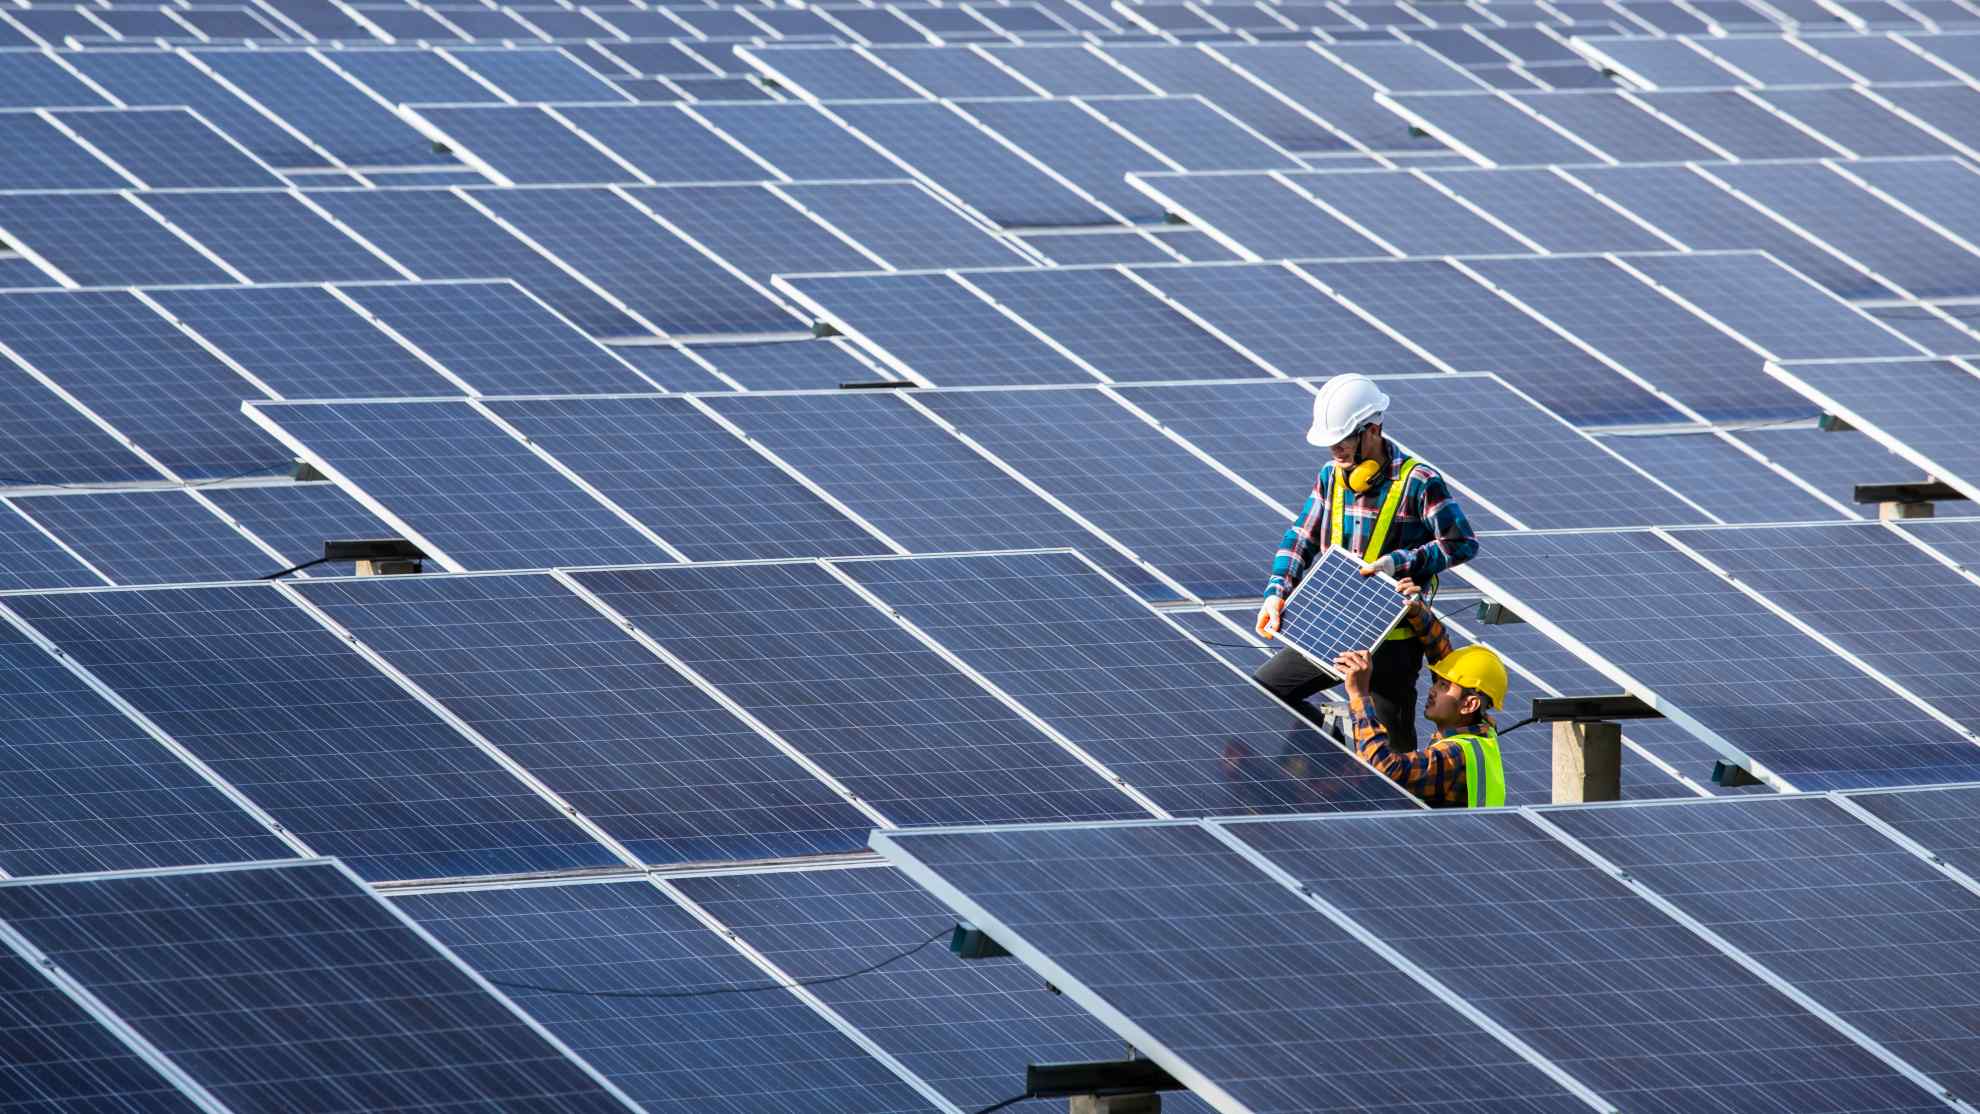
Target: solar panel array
(870, 416)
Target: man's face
(1352, 450)
(1446, 705)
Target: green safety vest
(1484, 777)
(1337, 514)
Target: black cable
(1520, 724)
(755, 988)
(1012, 1101)
(293, 568)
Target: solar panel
(1938, 819)
(475, 496)
(1545, 208)
(1649, 335)
(1310, 78)
(497, 337)
(907, 733)
(142, 375)
(968, 1029)
(100, 239)
(1799, 885)
(1923, 325)
(1940, 190)
(156, 78)
(408, 25)
(1741, 126)
(1406, 213)
(413, 76)
(946, 72)
(1772, 60)
(946, 148)
(669, 367)
(1065, 71)
(1192, 132)
(1274, 314)
(633, 746)
(1167, 716)
(297, 518)
(271, 236)
(797, 140)
(1782, 313)
(1854, 121)
(332, 111)
(1127, 246)
(720, 497)
(910, 478)
(36, 155)
(1947, 109)
(522, 143)
(69, 1061)
(902, 223)
(790, 364)
(825, 72)
(1686, 637)
(149, 537)
(272, 985)
(1080, 147)
(1401, 67)
(16, 272)
(665, 143)
(751, 229)
(281, 708)
(1961, 52)
(1121, 920)
(652, 271)
(1835, 461)
(1261, 215)
(1335, 609)
(1189, 69)
(438, 235)
(929, 326)
(35, 80)
(303, 342)
(631, 944)
(1489, 127)
(169, 148)
(1114, 325)
(1914, 407)
(1736, 487)
(877, 25)
(1618, 128)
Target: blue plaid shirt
(1428, 536)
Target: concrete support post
(1117, 1104)
(1587, 762)
(1891, 511)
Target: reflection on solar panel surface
(278, 985)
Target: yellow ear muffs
(1363, 476)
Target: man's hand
(1407, 589)
(1354, 667)
(1268, 617)
(1385, 564)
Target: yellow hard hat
(1474, 667)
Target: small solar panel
(524, 144)
(331, 111)
(470, 490)
(801, 142)
(303, 342)
(1334, 609)
(632, 945)
(1408, 214)
(163, 78)
(1275, 314)
(293, 984)
(297, 518)
(665, 143)
(931, 326)
(149, 537)
(271, 236)
(909, 734)
(720, 497)
(1785, 315)
(36, 155)
(170, 148)
(1261, 214)
(101, 239)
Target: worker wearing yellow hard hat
(1460, 768)
(1381, 504)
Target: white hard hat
(1345, 404)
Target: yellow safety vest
(1337, 515)
(1484, 777)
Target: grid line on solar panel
(276, 985)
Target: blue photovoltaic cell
(878, 26)
(100, 239)
(1959, 51)
(297, 518)
(933, 327)
(827, 73)
(524, 144)
(669, 366)
(1156, 708)
(1743, 127)
(751, 229)
(1877, 595)
(966, 1028)
(798, 140)
(1628, 321)
(717, 497)
(1262, 215)
(1853, 120)
(1834, 461)
(1616, 127)
(910, 478)
(725, 1054)
(292, 987)
(412, 77)
(1081, 148)
(1407, 213)
(327, 108)
(1275, 314)
(1772, 60)
(655, 273)
(1859, 224)
(1949, 109)
(1065, 71)
(1109, 465)
(64, 1060)
(1922, 326)
(303, 342)
(324, 23)
(1188, 69)
(1071, 249)
(1494, 128)
(641, 58)
(946, 72)
(665, 143)
(171, 148)
(1820, 898)
(1577, 940)
(787, 365)
(88, 790)
(1940, 819)
(30, 559)
(1546, 208)
(903, 224)
(1664, 63)
(281, 708)
(1310, 78)
(1472, 329)
(1926, 406)
(407, 25)
(1685, 635)
(271, 236)
(844, 684)
(1736, 487)
(1335, 609)
(497, 338)
(17, 272)
(35, 80)
(438, 235)
(151, 78)
(1532, 46)
(1785, 315)
(45, 440)
(150, 537)
(142, 375)
(629, 743)
(1401, 67)
(35, 155)
(1115, 325)
(1151, 920)
(1941, 190)
(954, 154)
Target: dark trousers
(1392, 685)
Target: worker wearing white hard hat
(1394, 512)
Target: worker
(1386, 507)
(1460, 768)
